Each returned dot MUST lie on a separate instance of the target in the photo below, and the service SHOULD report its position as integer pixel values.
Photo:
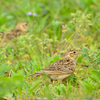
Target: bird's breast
(59, 77)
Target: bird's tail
(38, 73)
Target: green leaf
(35, 84)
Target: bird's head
(72, 54)
(22, 26)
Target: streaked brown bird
(21, 27)
(60, 69)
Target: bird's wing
(8, 35)
(12, 34)
(61, 66)
(16, 33)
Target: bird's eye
(74, 52)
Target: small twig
(62, 36)
(82, 64)
(85, 65)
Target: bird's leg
(60, 82)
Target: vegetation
(55, 27)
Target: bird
(21, 27)
(61, 69)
